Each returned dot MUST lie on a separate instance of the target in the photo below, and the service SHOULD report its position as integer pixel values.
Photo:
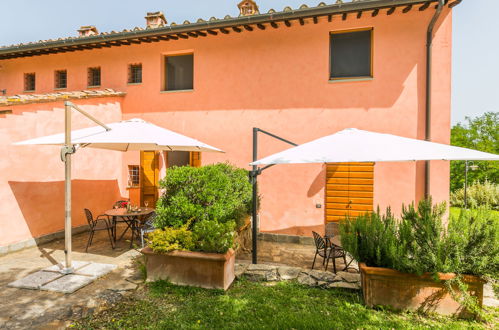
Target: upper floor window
(179, 72)
(135, 73)
(94, 77)
(351, 54)
(61, 79)
(29, 82)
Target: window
(351, 54)
(29, 82)
(61, 79)
(133, 175)
(93, 77)
(135, 73)
(179, 72)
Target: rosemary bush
(419, 243)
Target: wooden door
(349, 190)
(149, 178)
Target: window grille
(29, 82)
(61, 79)
(133, 175)
(135, 73)
(94, 77)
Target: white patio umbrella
(134, 134)
(354, 145)
(127, 135)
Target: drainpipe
(429, 44)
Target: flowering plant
(124, 204)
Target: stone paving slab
(95, 269)
(68, 283)
(50, 278)
(35, 281)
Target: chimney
(155, 20)
(87, 31)
(248, 8)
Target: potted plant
(198, 216)
(418, 263)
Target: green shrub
(171, 239)
(478, 194)
(219, 191)
(212, 236)
(371, 238)
(419, 242)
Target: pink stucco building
(299, 73)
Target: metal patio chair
(320, 248)
(98, 224)
(147, 227)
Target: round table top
(122, 212)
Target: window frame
(353, 78)
(131, 74)
(26, 75)
(57, 79)
(90, 78)
(130, 182)
(164, 57)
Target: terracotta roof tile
(58, 96)
(334, 4)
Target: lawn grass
(249, 305)
(456, 211)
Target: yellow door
(349, 190)
(149, 165)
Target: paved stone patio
(23, 308)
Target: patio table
(131, 218)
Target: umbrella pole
(66, 157)
(255, 172)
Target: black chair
(98, 224)
(320, 248)
(334, 253)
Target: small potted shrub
(198, 216)
(416, 263)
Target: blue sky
(475, 47)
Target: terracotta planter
(205, 270)
(402, 291)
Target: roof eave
(222, 23)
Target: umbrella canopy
(354, 145)
(133, 134)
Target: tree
(480, 133)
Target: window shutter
(195, 159)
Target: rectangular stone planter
(205, 270)
(402, 291)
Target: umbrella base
(57, 279)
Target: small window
(133, 175)
(61, 79)
(29, 82)
(93, 77)
(135, 73)
(351, 54)
(179, 72)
